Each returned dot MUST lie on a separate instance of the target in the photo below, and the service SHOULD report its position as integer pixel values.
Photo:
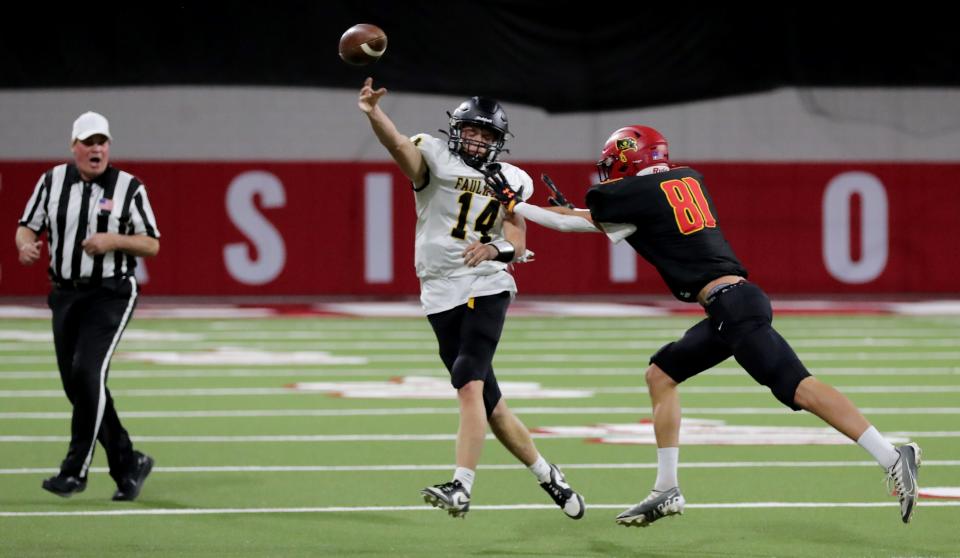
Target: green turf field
(248, 467)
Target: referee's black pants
(87, 324)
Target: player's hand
(557, 199)
(477, 252)
(560, 201)
(97, 244)
(29, 253)
(369, 97)
(498, 187)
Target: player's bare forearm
(515, 232)
(406, 155)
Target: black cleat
(129, 488)
(64, 486)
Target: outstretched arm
(407, 156)
(562, 218)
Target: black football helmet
(481, 112)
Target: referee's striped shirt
(71, 209)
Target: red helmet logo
(624, 145)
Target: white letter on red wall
(378, 227)
(873, 227)
(270, 249)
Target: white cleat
(903, 478)
(569, 501)
(450, 496)
(653, 507)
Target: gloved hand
(499, 188)
(557, 199)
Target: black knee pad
(491, 394)
(491, 391)
(468, 368)
(784, 386)
(770, 360)
(743, 319)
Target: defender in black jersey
(666, 214)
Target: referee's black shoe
(129, 488)
(64, 486)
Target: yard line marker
(316, 438)
(150, 348)
(491, 467)
(416, 411)
(569, 391)
(512, 507)
(639, 357)
(723, 370)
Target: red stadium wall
(311, 228)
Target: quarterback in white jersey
(464, 244)
(453, 212)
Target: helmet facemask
(473, 152)
(482, 113)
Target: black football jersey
(677, 226)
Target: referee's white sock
(465, 476)
(541, 469)
(668, 460)
(878, 446)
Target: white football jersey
(452, 213)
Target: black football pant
(87, 325)
(468, 336)
(738, 324)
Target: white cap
(88, 124)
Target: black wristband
(505, 251)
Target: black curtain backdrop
(585, 57)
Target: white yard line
(418, 411)
(509, 344)
(248, 391)
(513, 507)
(723, 370)
(511, 467)
(338, 438)
(718, 390)
(639, 358)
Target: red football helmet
(630, 150)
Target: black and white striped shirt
(71, 209)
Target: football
(362, 44)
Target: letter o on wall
(873, 227)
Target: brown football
(362, 44)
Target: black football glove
(499, 188)
(557, 199)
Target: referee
(97, 219)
